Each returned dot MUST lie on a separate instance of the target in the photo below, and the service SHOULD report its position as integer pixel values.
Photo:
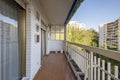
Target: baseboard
(25, 78)
(37, 74)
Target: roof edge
(74, 7)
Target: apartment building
(109, 34)
(102, 34)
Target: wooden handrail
(108, 53)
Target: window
(57, 33)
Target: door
(10, 39)
(43, 43)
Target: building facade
(109, 35)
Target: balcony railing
(91, 64)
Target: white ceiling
(56, 10)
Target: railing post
(95, 68)
(91, 66)
(87, 66)
(103, 67)
(116, 71)
(109, 70)
(66, 46)
(89, 62)
(98, 69)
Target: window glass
(53, 29)
(57, 33)
(57, 36)
(62, 36)
(57, 29)
(61, 29)
(53, 36)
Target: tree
(83, 36)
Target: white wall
(55, 45)
(0, 53)
(102, 34)
(33, 49)
(36, 47)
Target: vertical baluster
(84, 62)
(81, 64)
(95, 68)
(109, 70)
(116, 71)
(103, 67)
(89, 73)
(85, 65)
(66, 46)
(86, 76)
(98, 69)
(91, 65)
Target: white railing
(93, 67)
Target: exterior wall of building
(112, 38)
(119, 34)
(102, 34)
(33, 48)
(55, 45)
(109, 33)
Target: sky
(95, 12)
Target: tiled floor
(55, 67)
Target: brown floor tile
(55, 67)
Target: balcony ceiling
(56, 10)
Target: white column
(65, 39)
(28, 40)
(65, 33)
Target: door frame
(42, 30)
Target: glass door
(10, 55)
(43, 42)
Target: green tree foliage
(83, 36)
(104, 46)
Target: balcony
(92, 65)
(24, 42)
(81, 63)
